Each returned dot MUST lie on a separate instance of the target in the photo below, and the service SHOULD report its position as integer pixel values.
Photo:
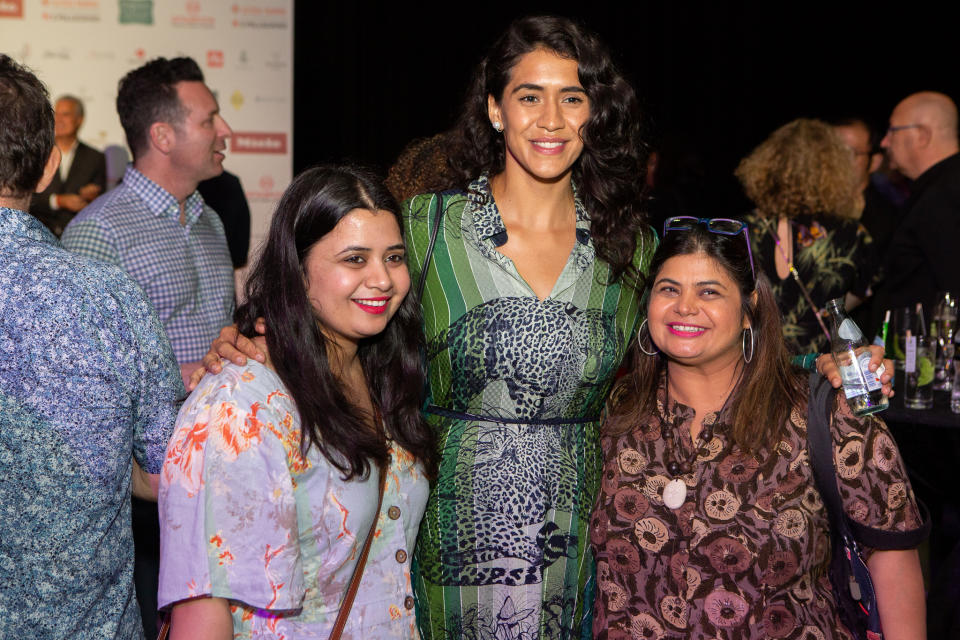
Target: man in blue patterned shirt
(89, 393)
(155, 224)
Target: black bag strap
(820, 448)
(437, 219)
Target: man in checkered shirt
(155, 224)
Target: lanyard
(796, 277)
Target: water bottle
(852, 355)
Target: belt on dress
(460, 415)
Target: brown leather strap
(165, 627)
(358, 570)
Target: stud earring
(497, 126)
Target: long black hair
(610, 172)
(310, 208)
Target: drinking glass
(918, 382)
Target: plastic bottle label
(857, 377)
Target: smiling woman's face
(695, 315)
(542, 110)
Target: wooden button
(408, 602)
(401, 556)
(393, 512)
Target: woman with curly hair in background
(803, 184)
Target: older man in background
(924, 256)
(82, 175)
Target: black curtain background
(714, 78)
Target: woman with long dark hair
(272, 477)
(709, 523)
(531, 293)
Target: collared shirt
(87, 384)
(185, 270)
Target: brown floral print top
(746, 556)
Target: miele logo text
(11, 8)
(258, 142)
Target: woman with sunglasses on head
(805, 227)
(273, 476)
(709, 523)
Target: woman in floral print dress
(709, 523)
(271, 479)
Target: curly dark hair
(26, 129)
(609, 173)
(310, 208)
(148, 94)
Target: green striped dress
(516, 389)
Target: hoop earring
(640, 339)
(743, 345)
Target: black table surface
(939, 416)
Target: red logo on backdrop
(266, 183)
(215, 59)
(258, 142)
(193, 6)
(140, 53)
(11, 8)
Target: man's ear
(49, 169)
(162, 137)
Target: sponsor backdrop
(245, 48)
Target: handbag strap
(344, 613)
(437, 219)
(796, 277)
(820, 448)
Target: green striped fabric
(517, 385)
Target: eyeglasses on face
(901, 127)
(720, 226)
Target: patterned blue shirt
(185, 270)
(87, 383)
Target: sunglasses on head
(720, 226)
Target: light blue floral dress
(245, 516)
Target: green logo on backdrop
(136, 11)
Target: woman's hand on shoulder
(827, 367)
(231, 345)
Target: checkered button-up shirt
(185, 270)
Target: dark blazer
(88, 166)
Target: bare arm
(201, 619)
(144, 485)
(900, 598)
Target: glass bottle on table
(945, 321)
(852, 355)
(955, 391)
(919, 365)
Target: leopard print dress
(517, 385)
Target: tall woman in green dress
(530, 296)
